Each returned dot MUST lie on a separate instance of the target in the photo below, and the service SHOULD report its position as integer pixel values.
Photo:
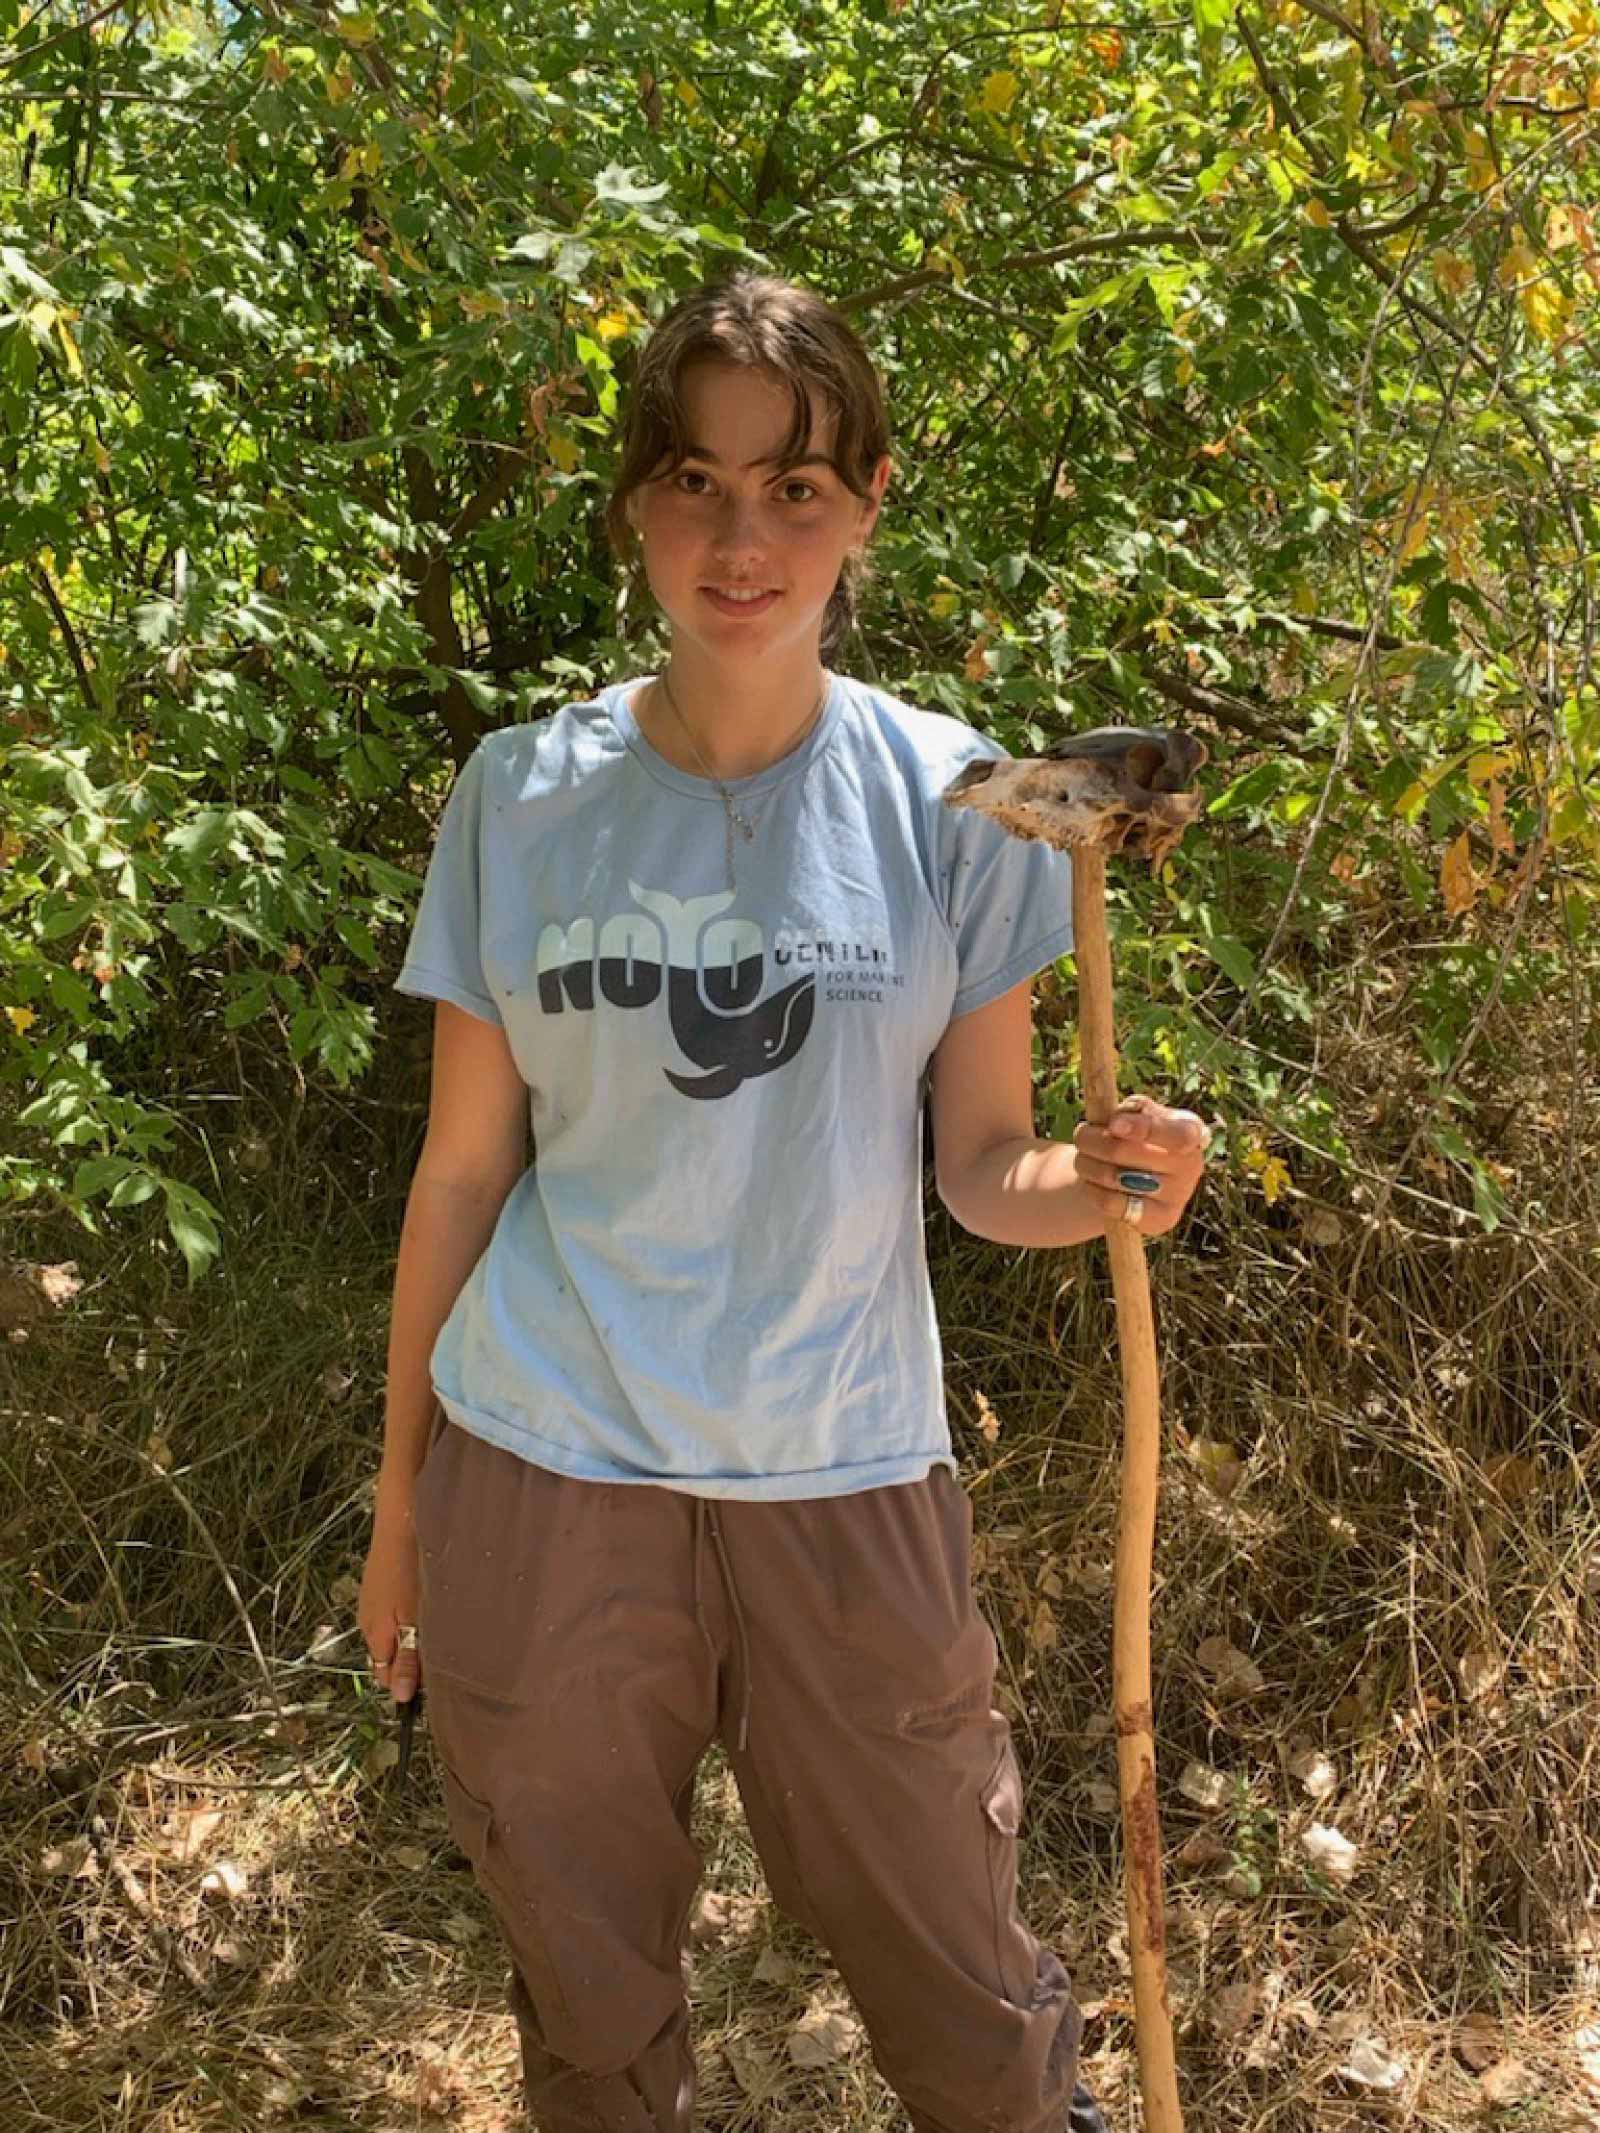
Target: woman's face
(725, 520)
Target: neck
(740, 725)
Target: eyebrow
(812, 459)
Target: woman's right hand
(389, 1596)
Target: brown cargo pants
(582, 1644)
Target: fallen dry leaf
(1586, 2045)
(226, 1879)
(1207, 1788)
(773, 1969)
(825, 2032)
(1371, 2064)
(1507, 2081)
(1234, 1671)
(1479, 2040)
(1330, 1850)
(188, 1833)
(1232, 2008)
(1314, 1771)
(1480, 1672)
(75, 1860)
(754, 2068)
(712, 1915)
(1101, 1796)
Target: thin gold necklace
(747, 825)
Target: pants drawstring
(739, 1623)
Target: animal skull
(1120, 788)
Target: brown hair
(765, 323)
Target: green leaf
(193, 1222)
(618, 184)
(1253, 789)
(1230, 955)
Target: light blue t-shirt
(713, 1275)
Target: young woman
(666, 1456)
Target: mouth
(743, 601)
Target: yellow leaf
(22, 1019)
(687, 93)
(1546, 307)
(1185, 369)
(1457, 882)
(1416, 536)
(355, 29)
(1561, 226)
(612, 325)
(338, 84)
(74, 360)
(999, 93)
(1218, 1462)
(1274, 1177)
(944, 604)
(1519, 265)
(406, 253)
(563, 450)
(1451, 273)
(1317, 214)
(1487, 764)
(102, 458)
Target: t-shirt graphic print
(713, 1275)
(715, 977)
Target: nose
(737, 538)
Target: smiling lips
(742, 599)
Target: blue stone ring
(1138, 1181)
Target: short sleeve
(1007, 900)
(442, 959)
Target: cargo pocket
(471, 1822)
(1014, 1954)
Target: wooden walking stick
(1118, 789)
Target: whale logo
(736, 1047)
(734, 1042)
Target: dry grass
(1402, 1535)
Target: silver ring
(407, 1640)
(1132, 1207)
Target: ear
(870, 510)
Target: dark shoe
(1085, 2115)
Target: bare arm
(475, 1150)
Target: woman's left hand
(1163, 1149)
